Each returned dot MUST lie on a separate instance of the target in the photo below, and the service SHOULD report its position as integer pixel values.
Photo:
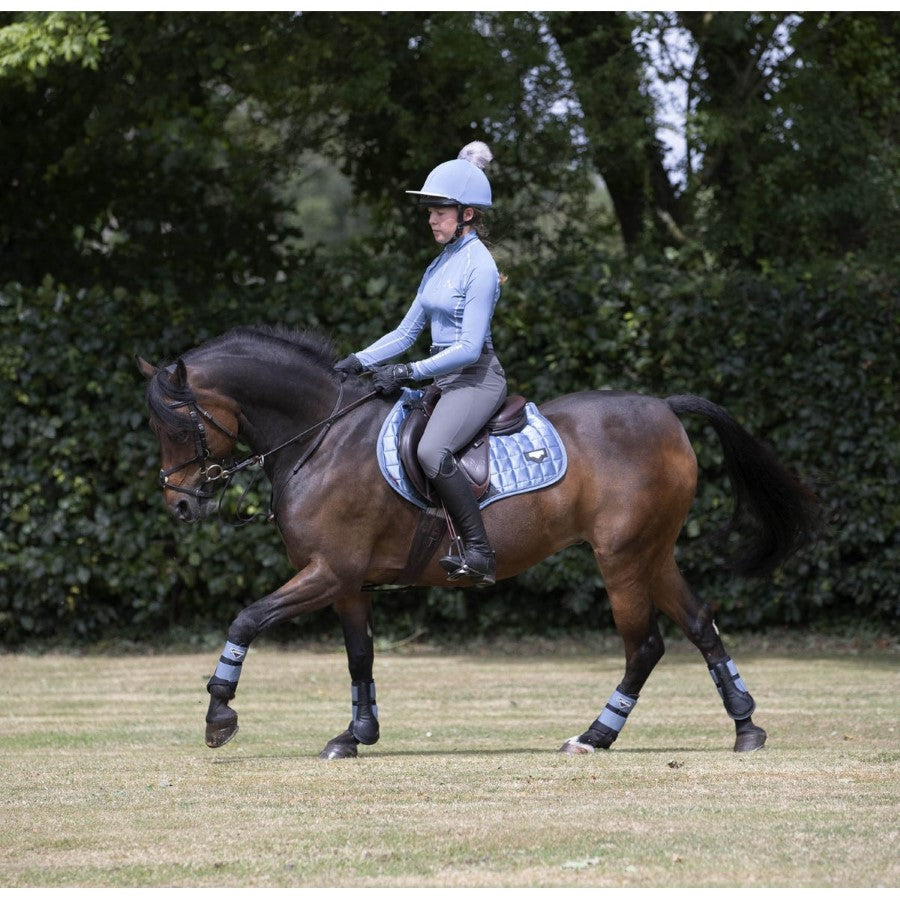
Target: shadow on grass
(512, 751)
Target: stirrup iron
(456, 566)
(481, 579)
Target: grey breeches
(468, 399)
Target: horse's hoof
(749, 738)
(574, 747)
(219, 735)
(339, 751)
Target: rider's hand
(349, 365)
(387, 379)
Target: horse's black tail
(774, 512)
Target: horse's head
(197, 429)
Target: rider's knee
(432, 459)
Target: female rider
(457, 295)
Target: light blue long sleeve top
(457, 295)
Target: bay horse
(627, 491)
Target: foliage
(29, 46)
(795, 117)
(175, 148)
(179, 155)
(143, 168)
(798, 358)
(607, 67)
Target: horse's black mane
(274, 341)
(278, 337)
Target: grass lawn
(107, 782)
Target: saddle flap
(475, 461)
(408, 438)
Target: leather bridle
(208, 473)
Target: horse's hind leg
(355, 614)
(674, 597)
(635, 618)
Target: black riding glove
(349, 365)
(387, 379)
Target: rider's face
(443, 221)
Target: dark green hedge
(806, 360)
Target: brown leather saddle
(474, 459)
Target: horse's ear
(179, 376)
(145, 368)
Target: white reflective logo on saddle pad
(524, 461)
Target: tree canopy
(148, 147)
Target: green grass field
(107, 782)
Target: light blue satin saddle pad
(525, 461)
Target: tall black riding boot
(476, 557)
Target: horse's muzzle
(183, 511)
(193, 507)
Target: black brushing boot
(475, 559)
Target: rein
(220, 472)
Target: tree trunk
(619, 119)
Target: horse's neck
(276, 400)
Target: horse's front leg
(355, 614)
(314, 587)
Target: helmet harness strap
(462, 222)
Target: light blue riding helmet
(459, 182)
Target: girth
(474, 459)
